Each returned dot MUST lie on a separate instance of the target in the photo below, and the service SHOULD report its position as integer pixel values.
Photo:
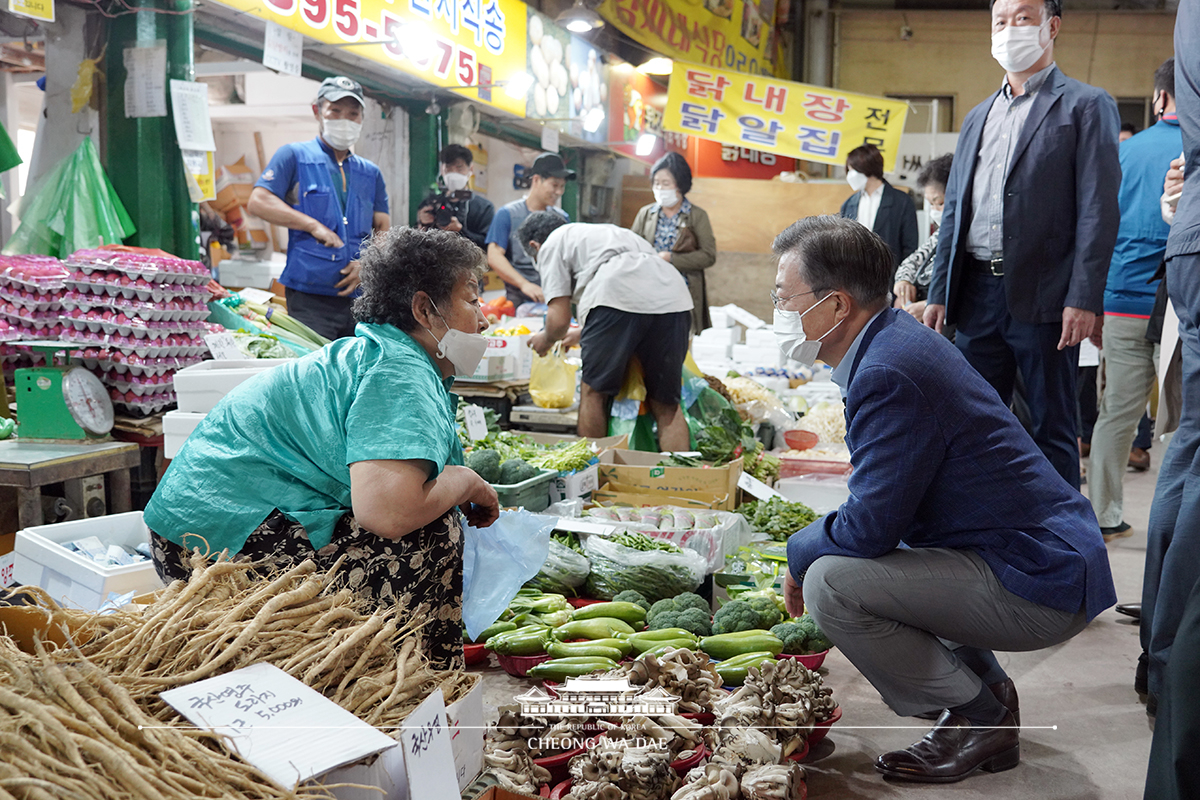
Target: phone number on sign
(409, 39)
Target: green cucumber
(595, 628)
(629, 612)
(725, 646)
(733, 672)
(559, 669)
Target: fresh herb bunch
(776, 517)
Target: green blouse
(285, 440)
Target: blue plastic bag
(504, 556)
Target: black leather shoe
(1006, 693)
(953, 750)
(1141, 676)
(1130, 609)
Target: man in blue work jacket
(331, 201)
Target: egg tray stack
(32, 289)
(137, 319)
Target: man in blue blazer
(1029, 226)
(958, 537)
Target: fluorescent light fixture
(518, 85)
(593, 119)
(580, 19)
(645, 144)
(658, 65)
(417, 42)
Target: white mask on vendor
(793, 341)
(341, 134)
(463, 350)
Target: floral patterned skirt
(422, 571)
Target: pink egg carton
(171, 347)
(114, 284)
(33, 300)
(27, 316)
(140, 385)
(173, 310)
(155, 269)
(48, 332)
(142, 404)
(41, 274)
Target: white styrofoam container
(74, 580)
(201, 386)
(762, 337)
(177, 427)
(758, 356)
(703, 351)
(819, 492)
(719, 336)
(257, 274)
(386, 771)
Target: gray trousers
(901, 617)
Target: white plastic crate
(73, 579)
(177, 427)
(201, 386)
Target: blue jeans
(1173, 539)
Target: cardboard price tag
(428, 757)
(223, 347)
(754, 486)
(476, 423)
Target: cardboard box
(385, 771)
(617, 494)
(23, 623)
(508, 358)
(498, 793)
(569, 485)
(234, 184)
(641, 472)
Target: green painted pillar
(426, 135)
(142, 155)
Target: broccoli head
(661, 607)
(676, 605)
(690, 619)
(768, 612)
(633, 596)
(692, 600)
(734, 616)
(485, 463)
(817, 640)
(516, 470)
(801, 636)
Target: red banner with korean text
(810, 123)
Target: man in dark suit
(877, 204)
(957, 529)
(1029, 226)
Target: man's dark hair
(837, 253)
(936, 172)
(1129, 126)
(455, 152)
(403, 261)
(1054, 8)
(866, 159)
(1164, 77)
(677, 165)
(538, 226)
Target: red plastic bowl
(801, 440)
(580, 602)
(802, 753)
(810, 660)
(703, 717)
(821, 729)
(560, 791)
(519, 666)
(544, 790)
(559, 765)
(474, 654)
(684, 764)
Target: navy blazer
(895, 222)
(1060, 204)
(939, 461)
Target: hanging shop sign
(635, 107)
(35, 9)
(737, 35)
(470, 46)
(812, 123)
(570, 81)
(710, 159)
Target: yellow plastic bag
(552, 380)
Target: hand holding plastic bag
(497, 561)
(552, 380)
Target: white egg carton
(109, 285)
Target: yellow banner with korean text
(470, 46)
(737, 35)
(812, 123)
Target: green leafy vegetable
(776, 517)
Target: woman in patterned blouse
(915, 272)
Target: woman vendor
(352, 450)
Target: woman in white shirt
(877, 205)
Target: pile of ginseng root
(105, 681)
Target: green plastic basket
(531, 495)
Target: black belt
(994, 266)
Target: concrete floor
(1086, 736)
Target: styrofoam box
(257, 274)
(704, 351)
(820, 493)
(201, 386)
(763, 337)
(177, 427)
(719, 336)
(720, 318)
(386, 771)
(758, 356)
(73, 579)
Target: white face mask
(856, 179)
(463, 350)
(455, 181)
(1018, 47)
(667, 198)
(935, 216)
(793, 341)
(341, 134)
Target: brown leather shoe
(1139, 459)
(953, 750)
(1005, 691)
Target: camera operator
(458, 209)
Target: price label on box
(754, 486)
(428, 757)
(6, 569)
(476, 423)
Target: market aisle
(1084, 687)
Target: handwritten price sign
(428, 758)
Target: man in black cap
(506, 255)
(331, 201)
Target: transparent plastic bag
(503, 556)
(564, 571)
(711, 534)
(654, 573)
(552, 380)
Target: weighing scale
(554, 420)
(60, 401)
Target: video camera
(448, 205)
